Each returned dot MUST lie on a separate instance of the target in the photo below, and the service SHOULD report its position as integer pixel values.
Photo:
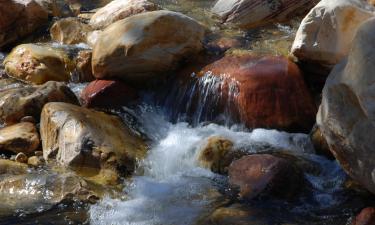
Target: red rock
(256, 175)
(365, 217)
(107, 93)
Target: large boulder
(325, 35)
(70, 31)
(250, 13)
(94, 144)
(118, 10)
(19, 18)
(347, 113)
(132, 48)
(21, 137)
(16, 103)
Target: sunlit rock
(325, 35)
(11, 167)
(35, 161)
(21, 137)
(347, 113)
(83, 66)
(118, 10)
(145, 45)
(96, 145)
(69, 31)
(18, 102)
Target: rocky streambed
(174, 112)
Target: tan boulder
(132, 48)
(96, 145)
(21, 137)
(69, 31)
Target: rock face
(337, 19)
(19, 102)
(250, 13)
(256, 175)
(131, 48)
(346, 115)
(19, 18)
(118, 10)
(21, 137)
(69, 31)
(94, 144)
(107, 94)
(365, 217)
(38, 64)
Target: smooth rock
(19, 102)
(78, 138)
(21, 137)
(21, 158)
(11, 167)
(131, 48)
(320, 144)
(251, 13)
(347, 113)
(325, 35)
(107, 94)
(118, 10)
(35, 161)
(83, 66)
(70, 31)
(365, 217)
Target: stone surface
(83, 66)
(250, 13)
(11, 167)
(69, 31)
(118, 10)
(21, 158)
(347, 113)
(19, 18)
(94, 144)
(337, 19)
(107, 94)
(257, 175)
(320, 144)
(34, 161)
(131, 48)
(19, 102)
(365, 217)
(21, 137)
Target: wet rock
(346, 115)
(337, 19)
(107, 94)
(118, 10)
(320, 144)
(19, 102)
(83, 66)
(11, 167)
(267, 175)
(235, 214)
(250, 13)
(28, 119)
(77, 138)
(365, 217)
(69, 31)
(35, 161)
(21, 137)
(19, 18)
(21, 158)
(58, 8)
(131, 49)
(92, 37)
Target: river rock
(19, 18)
(118, 10)
(12, 167)
(256, 175)
(19, 102)
(320, 143)
(107, 94)
(35, 161)
(21, 137)
(21, 158)
(131, 48)
(96, 145)
(83, 66)
(365, 217)
(69, 31)
(325, 35)
(250, 13)
(347, 113)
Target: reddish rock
(107, 93)
(365, 217)
(256, 175)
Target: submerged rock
(70, 31)
(142, 46)
(21, 137)
(325, 35)
(118, 10)
(19, 102)
(96, 145)
(250, 13)
(346, 115)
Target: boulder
(19, 18)
(251, 13)
(19, 102)
(265, 175)
(320, 144)
(325, 35)
(70, 31)
(94, 144)
(118, 10)
(365, 217)
(347, 113)
(11, 167)
(131, 48)
(21, 137)
(83, 72)
(107, 94)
